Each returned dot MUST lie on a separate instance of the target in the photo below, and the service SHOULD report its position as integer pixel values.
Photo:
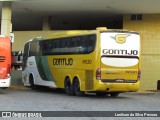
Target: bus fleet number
(87, 61)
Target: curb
(18, 87)
(140, 91)
(148, 91)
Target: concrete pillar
(47, 23)
(6, 18)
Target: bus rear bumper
(5, 82)
(118, 87)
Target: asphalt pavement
(25, 99)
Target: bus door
(120, 54)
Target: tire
(101, 93)
(78, 92)
(68, 87)
(4, 87)
(114, 94)
(33, 86)
(158, 85)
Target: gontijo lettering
(120, 52)
(63, 61)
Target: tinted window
(34, 48)
(63, 46)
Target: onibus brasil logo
(120, 38)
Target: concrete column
(47, 23)
(6, 18)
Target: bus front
(5, 62)
(120, 61)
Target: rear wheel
(114, 94)
(78, 92)
(68, 87)
(4, 87)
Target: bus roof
(70, 33)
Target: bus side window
(49, 48)
(84, 44)
(25, 55)
(56, 45)
(40, 48)
(66, 43)
(44, 47)
(91, 43)
(72, 45)
(78, 45)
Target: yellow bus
(101, 61)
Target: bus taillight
(8, 69)
(139, 74)
(98, 74)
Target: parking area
(25, 99)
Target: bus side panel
(35, 67)
(80, 66)
(5, 61)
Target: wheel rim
(114, 94)
(67, 86)
(77, 87)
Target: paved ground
(56, 100)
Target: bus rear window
(120, 61)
